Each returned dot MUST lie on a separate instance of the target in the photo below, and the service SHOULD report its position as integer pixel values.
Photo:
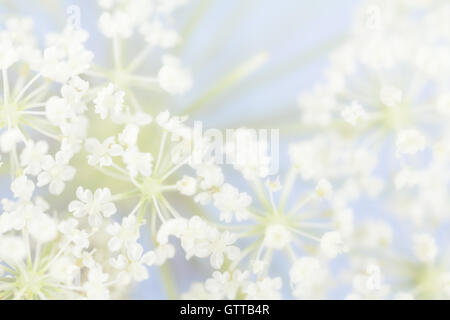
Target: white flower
(226, 284)
(159, 255)
(175, 227)
(133, 263)
(64, 270)
(118, 24)
(79, 239)
(129, 135)
(324, 188)
(33, 155)
(157, 35)
(258, 266)
(353, 113)
(187, 186)
(277, 236)
(56, 172)
(196, 237)
(173, 77)
(425, 248)
(101, 153)
(375, 234)
(308, 277)
(344, 222)
(9, 139)
(57, 110)
(65, 56)
(391, 96)
(222, 245)
(137, 162)
(73, 93)
(368, 283)
(42, 227)
(173, 124)
(264, 289)
(8, 54)
(410, 142)
(109, 101)
(331, 244)
(124, 233)
(96, 287)
(12, 249)
(22, 188)
(211, 176)
(93, 205)
(230, 201)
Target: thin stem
(259, 191)
(117, 53)
(160, 153)
(137, 61)
(175, 168)
(300, 204)
(304, 234)
(27, 86)
(169, 207)
(158, 211)
(287, 188)
(5, 87)
(168, 280)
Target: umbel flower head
(109, 184)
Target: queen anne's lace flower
(377, 130)
(173, 77)
(55, 172)
(94, 205)
(109, 101)
(229, 201)
(308, 277)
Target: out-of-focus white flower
(353, 113)
(9, 139)
(410, 142)
(332, 244)
(173, 77)
(277, 237)
(324, 188)
(308, 277)
(109, 101)
(391, 96)
(157, 35)
(265, 289)
(187, 186)
(425, 248)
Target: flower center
(9, 115)
(30, 282)
(151, 187)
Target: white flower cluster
(383, 105)
(92, 163)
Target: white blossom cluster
(107, 191)
(384, 106)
